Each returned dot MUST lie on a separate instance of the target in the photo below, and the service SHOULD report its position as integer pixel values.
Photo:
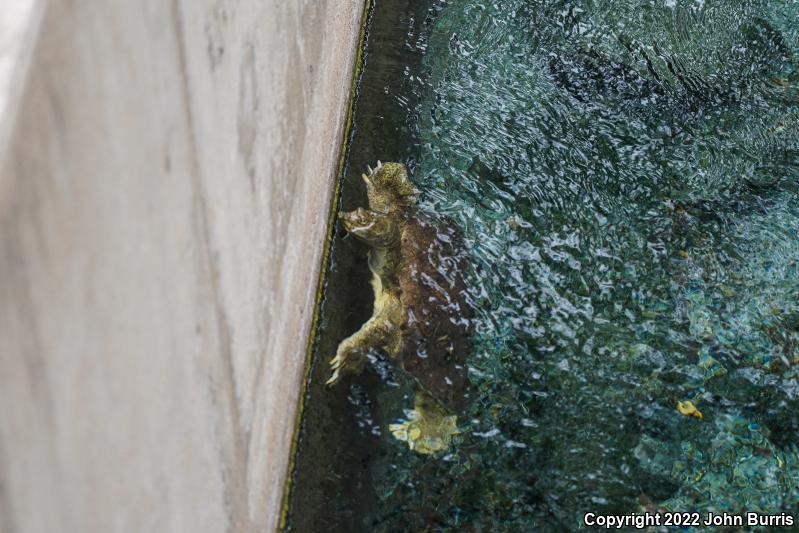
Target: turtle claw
(349, 359)
(333, 379)
(336, 365)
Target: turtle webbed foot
(427, 430)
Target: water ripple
(625, 173)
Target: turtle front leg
(381, 331)
(351, 355)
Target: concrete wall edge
(312, 334)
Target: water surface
(625, 173)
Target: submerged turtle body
(421, 317)
(435, 323)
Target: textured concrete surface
(163, 204)
(19, 28)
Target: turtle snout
(355, 219)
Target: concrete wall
(163, 206)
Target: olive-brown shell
(437, 315)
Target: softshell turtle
(421, 317)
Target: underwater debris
(732, 468)
(687, 408)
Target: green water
(625, 173)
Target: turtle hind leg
(429, 428)
(351, 355)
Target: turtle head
(372, 227)
(359, 221)
(388, 186)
